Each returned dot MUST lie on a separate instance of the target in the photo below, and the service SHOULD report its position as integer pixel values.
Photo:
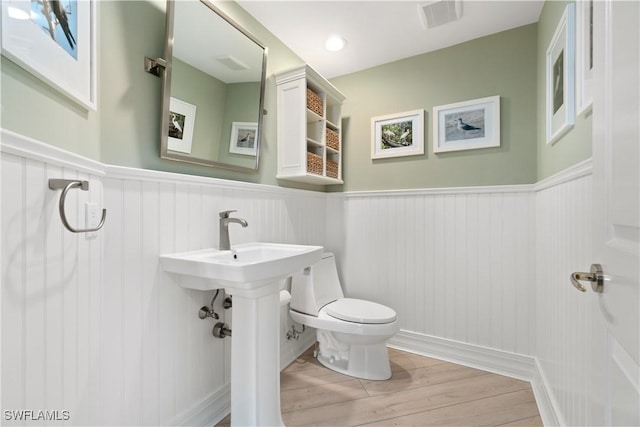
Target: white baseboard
(291, 350)
(496, 361)
(208, 412)
(546, 403)
(499, 362)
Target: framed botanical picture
(243, 138)
(560, 77)
(584, 56)
(397, 135)
(56, 42)
(467, 125)
(182, 117)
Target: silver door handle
(596, 277)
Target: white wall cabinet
(309, 127)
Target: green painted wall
(501, 64)
(575, 145)
(125, 130)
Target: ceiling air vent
(232, 63)
(439, 12)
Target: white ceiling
(197, 35)
(381, 31)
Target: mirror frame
(165, 153)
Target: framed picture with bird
(243, 138)
(56, 42)
(467, 125)
(397, 135)
(560, 76)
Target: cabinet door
(292, 128)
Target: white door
(616, 160)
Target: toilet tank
(316, 286)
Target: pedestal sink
(250, 272)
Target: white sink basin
(247, 266)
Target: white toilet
(352, 333)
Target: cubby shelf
(303, 153)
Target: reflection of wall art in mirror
(560, 70)
(467, 125)
(397, 135)
(56, 42)
(182, 117)
(243, 138)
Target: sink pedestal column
(255, 356)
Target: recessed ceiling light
(335, 43)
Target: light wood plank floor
(421, 392)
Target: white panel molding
(22, 146)
(574, 172)
(128, 173)
(489, 189)
(487, 359)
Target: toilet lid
(360, 311)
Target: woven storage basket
(314, 102)
(332, 168)
(333, 139)
(314, 163)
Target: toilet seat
(360, 311)
(324, 321)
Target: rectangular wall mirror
(213, 92)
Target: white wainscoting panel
(564, 327)
(96, 327)
(51, 292)
(158, 353)
(455, 264)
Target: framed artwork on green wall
(584, 56)
(560, 77)
(467, 125)
(397, 135)
(56, 42)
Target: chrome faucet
(225, 245)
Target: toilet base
(354, 355)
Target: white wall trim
(574, 172)
(22, 146)
(489, 189)
(497, 361)
(208, 412)
(547, 405)
(291, 352)
(123, 172)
